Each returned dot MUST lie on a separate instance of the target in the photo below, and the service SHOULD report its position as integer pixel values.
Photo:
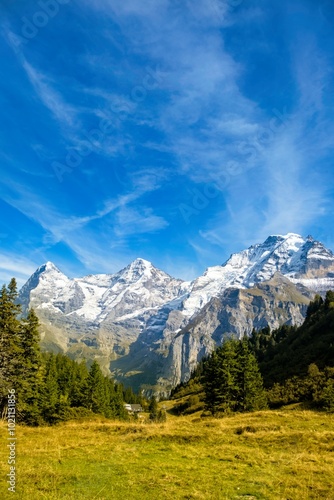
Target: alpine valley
(150, 330)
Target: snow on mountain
(293, 256)
(136, 288)
(44, 286)
(141, 287)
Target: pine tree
(232, 380)
(10, 348)
(314, 305)
(29, 374)
(130, 396)
(153, 409)
(329, 300)
(49, 395)
(327, 396)
(78, 388)
(118, 403)
(219, 379)
(251, 395)
(96, 394)
(211, 383)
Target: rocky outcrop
(172, 356)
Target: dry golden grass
(279, 455)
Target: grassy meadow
(286, 454)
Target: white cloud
(141, 220)
(313, 73)
(17, 267)
(117, 219)
(64, 113)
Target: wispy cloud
(312, 70)
(121, 217)
(63, 112)
(204, 109)
(136, 221)
(285, 192)
(19, 267)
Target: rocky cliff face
(171, 355)
(150, 329)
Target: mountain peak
(137, 269)
(47, 267)
(292, 235)
(140, 266)
(141, 262)
(277, 238)
(47, 277)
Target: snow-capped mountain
(137, 322)
(135, 289)
(304, 261)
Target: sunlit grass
(264, 455)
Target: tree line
(270, 368)
(228, 380)
(297, 363)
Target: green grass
(279, 455)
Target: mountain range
(149, 330)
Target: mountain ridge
(132, 319)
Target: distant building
(135, 408)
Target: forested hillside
(297, 364)
(288, 351)
(294, 365)
(49, 388)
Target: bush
(327, 396)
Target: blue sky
(176, 131)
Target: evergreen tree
(220, 378)
(118, 403)
(314, 306)
(29, 373)
(327, 396)
(153, 408)
(130, 396)
(78, 389)
(212, 384)
(329, 300)
(10, 348)
(156, 414)
(96, 390)
(49, 396)
(251, 395)
(232, 380)
(30, 341)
